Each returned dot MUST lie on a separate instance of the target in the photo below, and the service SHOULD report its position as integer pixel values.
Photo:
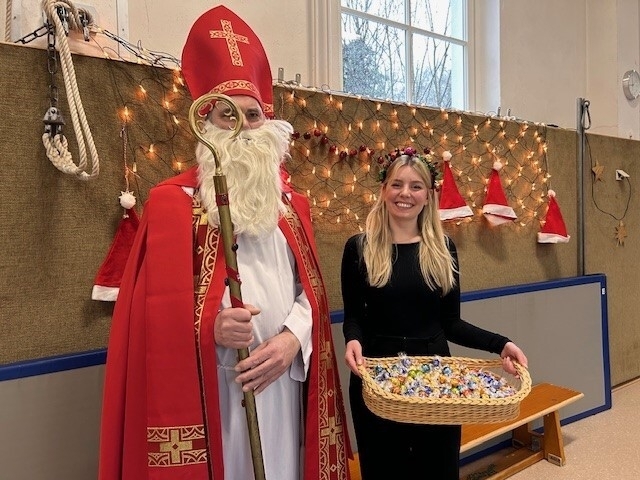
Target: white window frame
(326, 63)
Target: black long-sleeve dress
(404, 316)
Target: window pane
(389, 9)
(443, 17)
(435, 64)
(373, 56)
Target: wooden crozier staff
(226, 230)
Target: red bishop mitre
(223, 55)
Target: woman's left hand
(510, 353)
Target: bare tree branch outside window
(377, 62)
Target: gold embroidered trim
(208, 250)
(200, 216)
(232, 41)
(176, 446)
(224, 87)
(332, 430)
(330, 423)
(268, 109)
(235, 85)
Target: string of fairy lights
(169, 150)
(172, 100)
(338, 141)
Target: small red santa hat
(107, 282)
(452, 206)
(222, 54)
(495, 209)
(554, 229)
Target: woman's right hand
(353, 356)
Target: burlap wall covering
(56, 230)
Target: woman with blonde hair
(401, 293)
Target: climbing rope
(7, 21)
(62, 16)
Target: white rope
(60, 156)
(57, 146)
(7, 21)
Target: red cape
(160, 416)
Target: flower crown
(427, 159)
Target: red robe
(160, 417)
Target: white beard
(251, 164)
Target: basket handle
(525, 378)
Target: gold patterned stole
(206, 241)
(330, 462)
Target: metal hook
(85, 21)
(585, 112)
(63, 13)
(53, 121)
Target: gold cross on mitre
(232, 39)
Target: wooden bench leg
(553, 444)
(550, 441)
(531, 447)
(521, 436)
(505, 467)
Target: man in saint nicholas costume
(173, 384)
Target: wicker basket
(447, 411)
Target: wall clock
(631, 84)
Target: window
(406, 50)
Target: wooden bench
(544, 401)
